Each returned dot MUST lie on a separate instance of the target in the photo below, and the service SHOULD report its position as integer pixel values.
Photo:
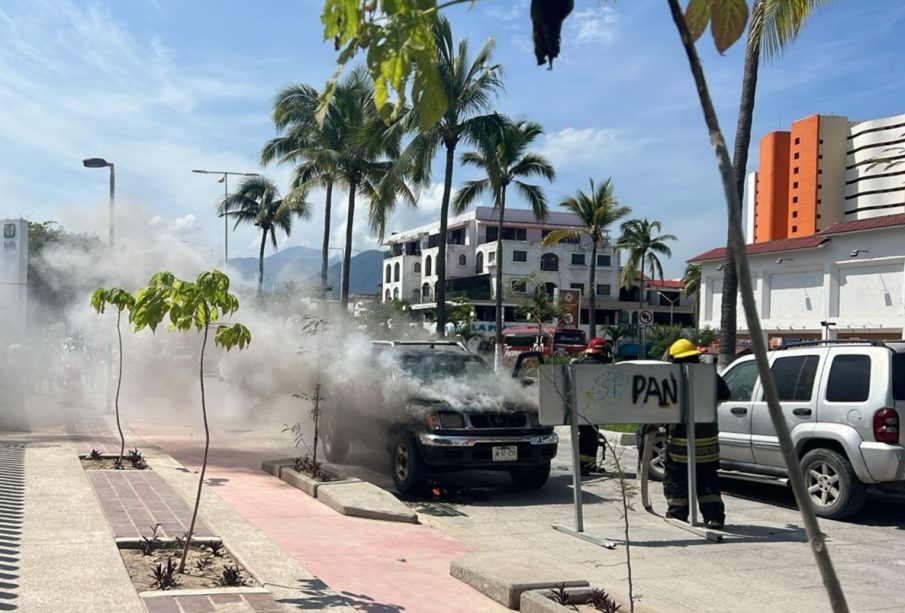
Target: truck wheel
(335, 445)
(530, 477)
(658, 459)
(832, 484)
(406, 465)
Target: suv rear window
(794, 377)
(849, 379)
(898, 376)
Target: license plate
(505, 454)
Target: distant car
(843, 402)
(426, 434)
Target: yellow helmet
(683, 348)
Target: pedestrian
(596, 353)
(707, 455)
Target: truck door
(796, 377)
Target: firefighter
(596, 353)
(707, 455)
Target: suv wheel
(832, 484)
(409, 471)
(658, 458)
(530, 477)
(335, 445)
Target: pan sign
(630, 392)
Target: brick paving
(91, 429)
(213, 603)
(135, 501)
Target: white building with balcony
(410, 267)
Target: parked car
(425, 433)
(843, 403)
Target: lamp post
(102, 163)
(225, 181)
(826, 329)
(672, 303)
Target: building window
(820, 141)
(417, 268)
(818, 201)
(794, 184)
(549, 288)
(389, 273)
(491, 257)
(578, 286)
(396, 293)
(463, 260)
(604, 260)
(794, 214)
(509, 234)
(794, 199)
(603, 289)
(796, 155)
(549, 262)
(819, 171)
(427, 266)
(578, 259)
(818, 215)
(795, 170)
(819, 186)
(426, 292)
(571, 240)
(797, 141)
(794, 228)
(519, 256)
(479, 263)
(820, 157)
(387, 296)
(519, 285)
(396, 272)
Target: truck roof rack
(842, 341)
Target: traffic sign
(645, 317)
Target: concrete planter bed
(347, 496)
(580, 599)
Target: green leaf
(697, 16)
(98, 299)
(727, 22)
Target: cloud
(588, 147)
(592, 26)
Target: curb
(624, 439)
(351, 497)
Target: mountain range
(301, 266)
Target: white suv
(843, 402)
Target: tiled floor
(212, 603)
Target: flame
(436, 491)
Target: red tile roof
(784, 244)
(666, 283)
(885, 221)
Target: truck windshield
(569, 337)
(432, 366)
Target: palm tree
(691, 285)
(774, 25)
(302, 138)
(467, 87)
(257, 201)
(597, 211)
(640, 237)
(616, 332)
(505, 159)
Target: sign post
(629, 392)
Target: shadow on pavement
(320, 596)
(12, 493)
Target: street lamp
(826, 328)
(225, 181)
(102, 163)
(672, 303)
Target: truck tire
(658, 459)
(335, 445)
(406, 465)
(835, 490)
(530, 477)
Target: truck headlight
(432, 420)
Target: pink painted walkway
(379, 566)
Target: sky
(162, 87)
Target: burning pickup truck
(448, 412)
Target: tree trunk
(592, 294)
(261, 261)
(498, 345)
(347, 253)
(815, 537)
(440, 292)
(642, 350)
(207, 445)
(728, 309)
(325, 249)
(119, 382)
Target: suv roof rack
(842, 341)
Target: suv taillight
(886, 426)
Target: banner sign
(628, 392)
